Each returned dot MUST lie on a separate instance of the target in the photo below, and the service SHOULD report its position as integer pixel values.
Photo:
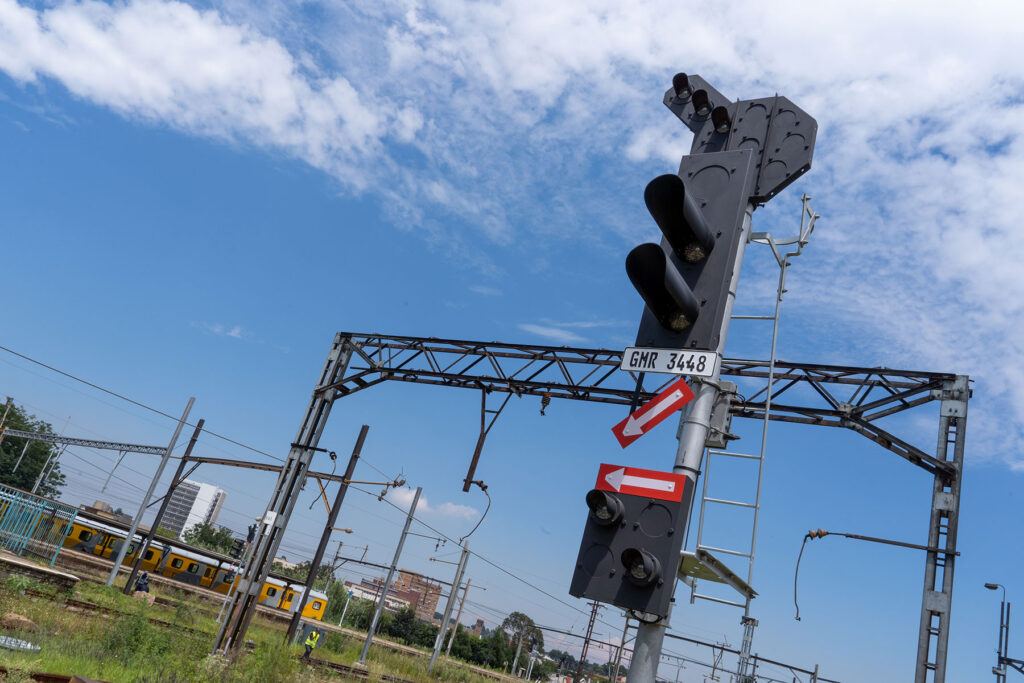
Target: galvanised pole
(458, 618)
(149, 494)
(937, 597)
(693, 432)
(439, 641)
(387, 581)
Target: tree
(403, 625)
(36, 455)
(205, 536)
(522, 630)
(360, 612)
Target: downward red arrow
(671, 399)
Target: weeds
(16, 583)
(128, 648)
(133, 636)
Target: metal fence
(33, 526)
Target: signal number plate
(670, 361)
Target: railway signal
(632, 539)
(684, 280)
(743, 154)
(237, 548)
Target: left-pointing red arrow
(671, 399)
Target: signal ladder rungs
(732, 454)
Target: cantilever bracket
(484, 429)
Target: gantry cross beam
(825, 395)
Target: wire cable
(134, 402)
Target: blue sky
(197, 197)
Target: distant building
(370, 590)
(478, 628)
(192, 503)
(428, 593)
(285, 563)
(103, 509)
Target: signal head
(681, 86)
(662, 287)
(605, 509)
(642, 568)
(701, 103)
(720, 119)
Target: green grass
(131, 648)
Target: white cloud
(402, 497)
(552, 333)
(530, 121)
(221, 330)
(172, 64)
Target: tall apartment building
(429, 593)
(192, 503)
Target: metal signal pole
(693, 432)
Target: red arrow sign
(637, 482)
(674, 397)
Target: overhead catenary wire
(276, 458)
(485, 559)
(134, 402)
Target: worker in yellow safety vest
(311, 641)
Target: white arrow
(619, 478)
(635, 426)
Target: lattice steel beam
(88, 443)
(827, 395)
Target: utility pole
(334, 565)
(282, 501)
(622, 644)
(149, 494)
(387, 581)
(163, 508)
(458, 618)
(594, 606)
(332, 519)
(238, 570)
(456, 582)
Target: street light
(999, 670)
(993, 586)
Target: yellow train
(187, 564)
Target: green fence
(33, 526)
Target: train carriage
(187, 564)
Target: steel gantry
(852, 398)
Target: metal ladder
(807, 220)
